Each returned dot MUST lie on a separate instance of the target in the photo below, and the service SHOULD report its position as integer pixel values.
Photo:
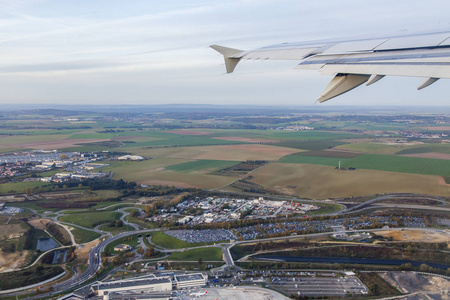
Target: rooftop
(130, 283)
(188, 277)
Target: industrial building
(190, 280)
(147, 284)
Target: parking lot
(321, 286)
(198, 236)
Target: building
(190, 280)
(138, 285)
(122, 248)
(130, 157)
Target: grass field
(131, 240)
(201, 165)
(90, 220)
(19, 187)
(84, 236)
(153, 171)
(166, 241)
(322, 182)
(206, 254)
(389, 163)
(439, 148)
(325, 208)
(401, 164)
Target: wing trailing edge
(356, 61)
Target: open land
(192, 155)
(288, 153)
(321, 182)
(416, 236)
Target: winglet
(230, 55)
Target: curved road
(94, 263)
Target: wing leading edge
(358, 61)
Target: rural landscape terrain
(247, 195)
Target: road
(94, 264)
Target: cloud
(105, 50)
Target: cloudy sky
(154, 52)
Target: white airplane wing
(358, 61)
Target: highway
(94, 263)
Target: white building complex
(147, 284)
(190, 280)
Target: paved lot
(206, 235)
(238, 293)
(322, 286)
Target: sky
(157, 52)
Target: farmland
(321, 182)
(190, 148)
(390, 163)
(201, 165)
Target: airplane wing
(357, 61)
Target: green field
(325, 208)
(19, 187)
(84, 236)
(90, 220)
(166, 241)
(390, 163)
(401, 164)
(206, 254)
(439, 148)
(201, 165)
(131, 240)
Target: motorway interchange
(94, 264)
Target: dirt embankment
(410, 282)
(416, 236)
(82, 251)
